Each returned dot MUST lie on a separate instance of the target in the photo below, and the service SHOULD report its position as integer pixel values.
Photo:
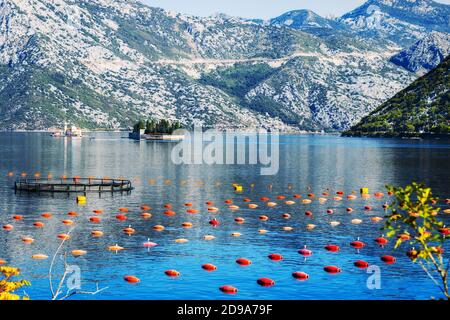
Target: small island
(162, 130)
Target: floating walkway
(73, 185)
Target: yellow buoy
(288, 228)
(334, 223)
(310, 226)
(181, 240)
(81, 199)
(115, 248)
(209, 237)
(236, 234)
(290, 202)
(356, 221)
(262, 231)
(78, 253)
(39, 256)
(364, 190)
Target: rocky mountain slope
(401, 21)
(105, 63)
(422, 108)
(425, 54)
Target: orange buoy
(129, 231)
(228, 201)
(181, 240)
(275, 257)
(192, 211)
(169, 213)
(213, 209)
(243, 262)
(123, 209)
(97, 211)
(18, 217)
(2, 262)
(378, 194)
(290, 202)
(239, 220)
(168, 206)
(332, 248)
(388, 259)
(228, 289)
(361, 264)
(67, 222)
(46, 215)
(233, 207)
(188, 204)
(349, 210)
(300, 275)
(332, 269)
(253, 206)
(208, 237)
(209, 267)
(10, 174)
(39, 256)
(297, 196)
(305, 252)
(27, 240)
(214, 222)
(263, 218)
(158, 227)
(186, 225)
(115, 248)
(209, 203)
(146, 215)
(38, 224)
(265, 282)
(308, 213)
(404, 237)
(172, 273)
(281, 197)
(146, 207)
(381, 241)
(63, 236)
(264, 199)
(247, 200)
(131, 279)
(311, 195)
(351, 197)
(95, 219)
(337, 198)
(97, 233)
(78, 253)
(8, 227)
(262, 231)
(376, 219)
(72, 213)
(288, 228)
(306, 201)
(271, 204)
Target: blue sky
(258, 8)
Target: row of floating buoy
(122, 216)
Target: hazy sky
(258, 8)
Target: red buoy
(228, 289)
(332, 248)
(38, 224)
(95, 219)
(214, 222)
(361, 264)
(381, 241)
(275, 257)
(357, 244)
(388, 259)
(332, 269)
(8, 227)
(300, 275)
(367, 208)
(265, 282)
(308, 213)
(18, 217)
(209, 267)
(239, 220)
(330, 211)
(121, 217)
(172, 273)
(243, 262)
(305, 252)
(131, 279)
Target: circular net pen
(73, 185)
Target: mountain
(422, 108)
(400, 21)
(425, 54)
(107, 63)
(305, 20)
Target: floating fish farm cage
(73, 185)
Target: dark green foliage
(421, 109)
(157, 127)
